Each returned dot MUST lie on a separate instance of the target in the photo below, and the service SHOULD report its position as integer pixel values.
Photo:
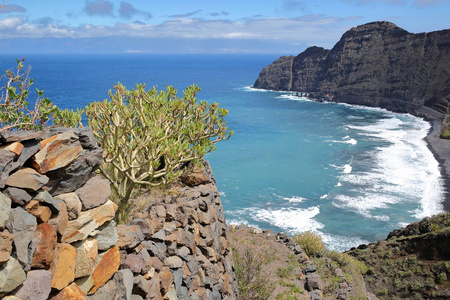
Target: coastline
(441, 151)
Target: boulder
(73, 204)
(108, 264)
(106, 235)
(94, 193)
(134, 262)
(18, 196)
(6, 240)
(22, 225)
(87, 252)
(37, 286)
(129, 236)
(75, 175)
(88, 221)
(56, 152)
(46, 238)
(195, 176)
(27, 178)
(11, 275)
(71, 292)
(63, 266)
(5, 209)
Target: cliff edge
(376, 64)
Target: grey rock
(18, 136)
(310, 268)
(48, 200)
(173, 262)
(18, 196)
(11, 275)
(134, 263)
(144, 226)
(27, 178)
(136, 297)
(31, 147)
(141, 287)
(184, 252)
(106, 235)
(94, 193)
(5, 209)
(37, 286)
(183, 293)
(76, 174)
(193, 265)
(22, 225)
(177, 277)
(73, 204)
(118, 288)
(6, 158)
(160, 235)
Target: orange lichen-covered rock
(14, 147)
(71, 292)
(108, 264)
(43, 255)
(88, 221)
(63, 266)
(57, 151)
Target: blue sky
(199, 26)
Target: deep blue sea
(350, 173)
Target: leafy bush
(253, 281)
(310, 242)
(17, 113)
(149, 136)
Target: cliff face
(376, 64)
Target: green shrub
(253, 281)
(310, 242)
(148, 136)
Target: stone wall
(58, 239)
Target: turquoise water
(350, 173)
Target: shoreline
(441, 151)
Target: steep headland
(376, 64)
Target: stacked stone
(177, 248)
(313, 283)
(57, 237)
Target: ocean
(350, 173)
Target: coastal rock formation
(376, 64)
(412, 263)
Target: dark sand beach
(441, 150)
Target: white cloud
(311, 29)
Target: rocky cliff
(376, 64)
(58, 239)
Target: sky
(202, 26)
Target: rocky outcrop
(413, 262)
(376, 64)
(58, 239)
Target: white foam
(292, 97)
(342, 243)
(403, 171)
(295, 199)
(345, 140)
(291, 220)
(347, 169)
(323, 196)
